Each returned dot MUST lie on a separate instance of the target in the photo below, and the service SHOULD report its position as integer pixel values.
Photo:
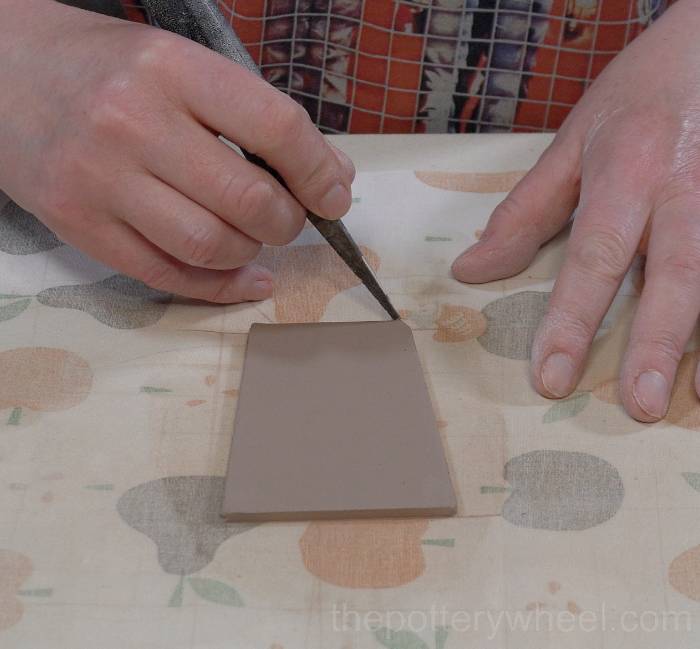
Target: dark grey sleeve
(108, 7)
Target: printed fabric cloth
(436, 66)
(577, 527)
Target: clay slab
(334, 420)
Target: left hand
(627, 159)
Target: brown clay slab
(334, 420)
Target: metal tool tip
(388, 306)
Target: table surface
(117, 406)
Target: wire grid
(388, 66)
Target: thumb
(536, 209)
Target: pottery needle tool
(202, 22)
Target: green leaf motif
(176, 597)
(13, 309)
(100, 487)
(15, 417)
(215, 591)
(693, 479)
(441, 637)
(445, 543)
(36, 592)
(399, 639)
(489, 489)
(18, 486)
(567, 408)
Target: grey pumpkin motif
(180, 514)
(512, 322)
(21, 233)
(561, 490)
(117, 301)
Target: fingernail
(260, 290)
(466, 269)
(475, 246)
(464, 256)
(336, 202)
(470, 249)
(558, 373)
(650, 391)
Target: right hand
(108, 135)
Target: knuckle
(201, 247)
(568, 324)
(156, 49)
(321, 177)
(118, 105)
(683, 266)
(681, 194)
(227, 193)
(667, 343)
(602, 254)
(284, 121)
(663, 343)
(112, 111)
(254, 202)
